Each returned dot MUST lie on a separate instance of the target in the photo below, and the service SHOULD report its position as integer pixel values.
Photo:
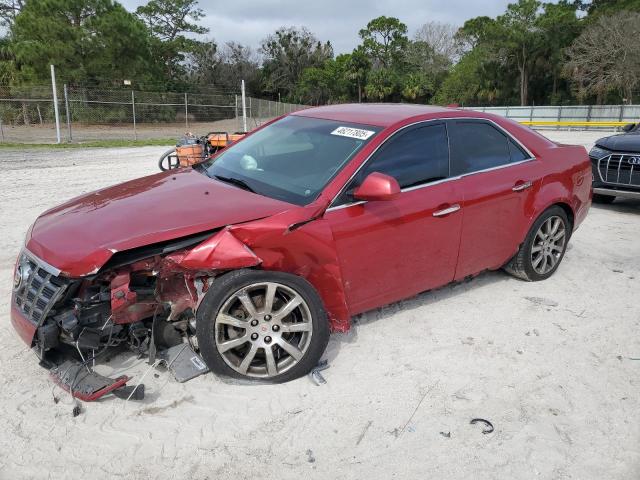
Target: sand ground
(554, 365)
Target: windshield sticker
(353, 133)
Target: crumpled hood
(629, 142)
(79, 236)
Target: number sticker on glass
(353, 133)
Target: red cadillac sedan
(253, 257)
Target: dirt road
(552, 364)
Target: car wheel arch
(339, 319)
(562, 203)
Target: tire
(166, 156)
(236, 329)
(603, 199)
(526, 264)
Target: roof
(378, 114)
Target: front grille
(37, 288)
(620, 169)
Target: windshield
(292, 159)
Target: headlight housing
(21, 272)
(598, 152)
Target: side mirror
(628, 127)
(377, 186)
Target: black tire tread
(518, 266)
(223, 286)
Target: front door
(389, 250)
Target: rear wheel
(263, 326)
(542, 251)
(604, 199)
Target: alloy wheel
(548, 245)
(263, 329)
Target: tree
(441, 37)
(384, 40)
(325, 84)
(416, 86)
(238, 62)
(469, 83)
(88, 40)
(518, 34)
(421, 57)
(357, 69)
(9, 10)
(382, 84)
(559, 26)
(7, 62)
(168, 21)
(602, 58)
(596, 8)
(287, 53)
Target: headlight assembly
(598, 153)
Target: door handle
(521, 186)
(441, 213)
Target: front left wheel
(262, 326)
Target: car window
(480, 145)
(291, 159)
(517, 153)
(413, 157)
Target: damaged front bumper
(69, 322)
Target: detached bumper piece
(87, 385)
(183, 362)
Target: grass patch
(94, 144)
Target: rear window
(481, 146)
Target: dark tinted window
(479, 146)
(417, 156)
(517, 154)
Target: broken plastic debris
(316, 376)
(489, 425)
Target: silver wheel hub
(263, 329)
(548, 245)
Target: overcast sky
(248, 22)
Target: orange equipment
(191, 149)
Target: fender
(296, 241)
(300, 242)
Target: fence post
(559, 116)
(66, 111)
(244, 108)
(621, 113)
(133, 111)
(186, 112)
(55, 102)
(1, 130)
(237, 118)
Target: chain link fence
(27, 114)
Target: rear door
(389, 250)
(499, 180)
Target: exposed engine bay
(142, 300)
